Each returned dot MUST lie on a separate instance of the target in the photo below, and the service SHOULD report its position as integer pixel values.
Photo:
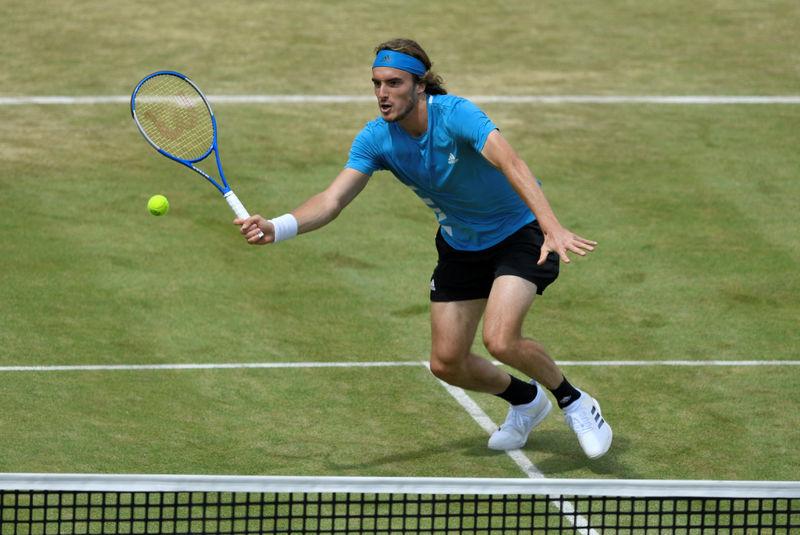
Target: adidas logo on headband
(398, 60)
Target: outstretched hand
(256, 229)
(561, 241)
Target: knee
(443, 369)
(498, 346)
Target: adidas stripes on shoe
(583, 416)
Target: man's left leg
(509, 301)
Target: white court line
(581, 524)
(502, 99)
(237, 365)
(679, 363)
(490, 427)
(212, 366)
(521, 460)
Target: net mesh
(174, 117)
(403, 512)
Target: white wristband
(285, 227)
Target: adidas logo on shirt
(452, 159)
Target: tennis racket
(175, 117)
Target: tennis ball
(158, 205)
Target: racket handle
(238, 208)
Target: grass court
(694, 207)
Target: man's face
(396, 92)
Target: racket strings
(175, 117)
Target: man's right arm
(316, 212)
(325, 206)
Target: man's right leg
(453, 328)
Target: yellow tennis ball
(158, 205)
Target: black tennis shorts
(464, 275)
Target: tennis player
(499, 242)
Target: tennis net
(75, 504)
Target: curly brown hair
(434, 85)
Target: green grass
(694, 208)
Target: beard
(413, 98)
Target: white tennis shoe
(594, 434)
(521, 420)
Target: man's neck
(416, 124)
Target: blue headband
(398, 60)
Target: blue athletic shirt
(474, 202)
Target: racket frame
(222, 185)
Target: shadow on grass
(466, 446)
(557, 454)
(554, 453)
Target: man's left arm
(502, 156)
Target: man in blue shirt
(499, 242)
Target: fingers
(251, 228)
(563, 255)
(573, 243)
(579, 249)
(244, 223)
(584, 243)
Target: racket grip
(237, 207)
